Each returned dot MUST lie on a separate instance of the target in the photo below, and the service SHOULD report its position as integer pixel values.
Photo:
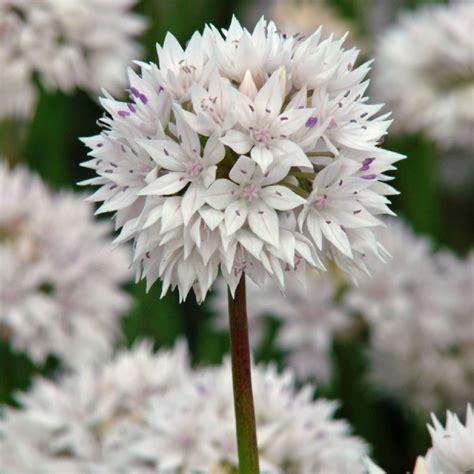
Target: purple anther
(366, 163)
(143, 98)
(369, 176)
(311, 122)
(131, 107)
(135, 91)
(123, 113)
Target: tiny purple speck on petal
(369, 176)
(311, 122)
(332, 124)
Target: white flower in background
(453, 446)
(68, 44)
(430, 88)
(17, 94)
(60, 280)
(309, 315)
(419, 311)
(220, 159)
(145, 412)
(296, 17)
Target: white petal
(235, 215)
(211, 217)
(281, 198)
(214, 151)
(291, 153)
(171, 216)
(334, 234)
(221, 193)
(264, 223)
(269, 100)
(193, 199)
(262, 156)
(164, 152)
(243, 170)
(291, 121)
(170, 183)
(238, 141)
(314, 228)
(186, 135)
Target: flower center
(261, 135)
(322, 202)
(250, 192)
(195, 168)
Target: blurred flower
(248, 152)
(309, 315)
(17, 94)
(419, 309)
(145, 412)
(425, 71)
(453, 446)
(60, 280)
(67, 43)
(302, 17)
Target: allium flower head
(419, 310)
(67, 43)
(425, 71)
(453, 446)
(145, 412)
(247, 151)
(60, 280)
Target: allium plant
(249, 153)
(67, 44)
(144, 412)
(419, 310)
(432, 87)
(60, 279)
(453, 446)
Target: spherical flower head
(60, 285)
(67, 44)
(425, 69)
(150, 412)
(309, 315)
(419, 313)
(245, 152)
(453, 446)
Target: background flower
(60, 285)
(68, 44)
(145, 411)
(431, 87)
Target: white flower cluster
(309, 315)
(453, 446)
(67, 43)
(60, 280)
(145, 412)
(425, 71)
(251, 152)
(419, 310)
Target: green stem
(242, 382)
